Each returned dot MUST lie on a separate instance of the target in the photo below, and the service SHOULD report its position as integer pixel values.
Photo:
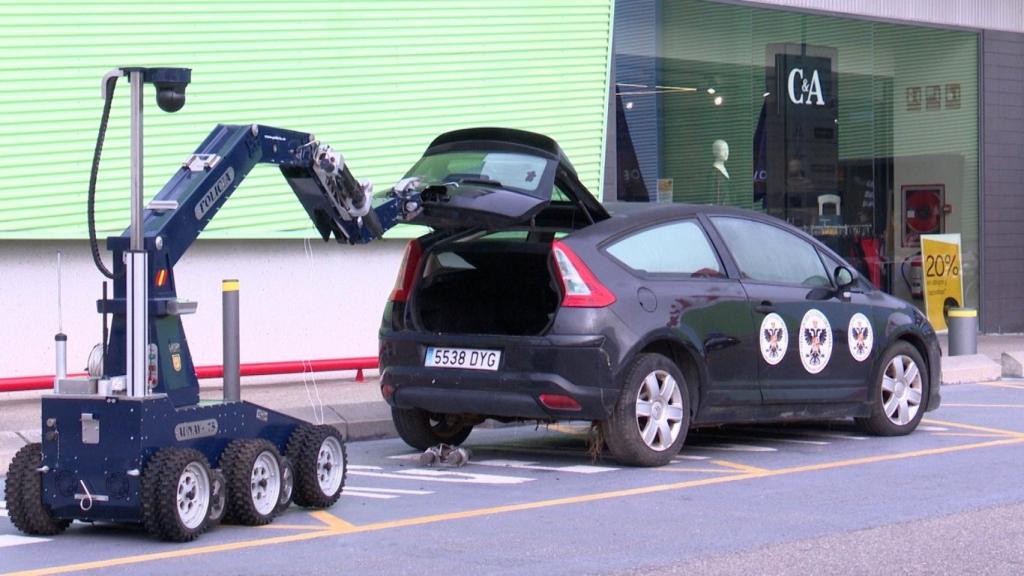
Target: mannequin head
(720, 150)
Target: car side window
(675, 248)
(767, 253)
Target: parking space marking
(527, 465)
(970, 435)
(397, 491)
(999, 431)
(3, 508)
(694, 470)
(346, 528)
(8, 540)
(731, 447)
(1003, 385)
(772, 439)
(741, 467)
(966, 405)
(335, 524)
(809, 433)
(430, 475)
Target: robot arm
(335, 201)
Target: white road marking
(933, 428)
(809, 433)
(390, 491)
(688, 457)
(729, 447)
(8, 540)
(3, 508)
(523, 465)
(358, 494)
(438, 476)
(756, 438)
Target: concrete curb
(1013, 364)
(969, 368)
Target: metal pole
(136, 261)
(136, 135)
(232, 358)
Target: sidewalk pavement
(355, 407)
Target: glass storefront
(864, 134)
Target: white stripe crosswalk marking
(8, 540)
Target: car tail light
(582, 289)
(407, 272)
(560, 402)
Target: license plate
(468, 358)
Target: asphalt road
(809, 499)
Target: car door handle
(765, 307)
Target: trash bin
(963, 331)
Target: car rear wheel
(649, 423)
(421, 429)
(899, 393)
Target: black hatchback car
(530, 301)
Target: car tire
(320, 465)
(649, 423)
(25, 494)
(899, 392)
(421, 429)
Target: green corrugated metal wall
(375, 79)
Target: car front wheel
(899, 393)
(649, 423)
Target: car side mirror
(843, 277)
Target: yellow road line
(481, 512)
(999, 431)
(741, 467)
(966, 405)
(332, 521)
(1003, 385)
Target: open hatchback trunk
(500, 198)
(498, 178)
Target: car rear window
(676, 248)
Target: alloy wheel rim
(330, 465)
(659, 410)
(265, 483)
(902, 388)
(193, 495)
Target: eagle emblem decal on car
(815, 341)
(860, 337)
(774, 338)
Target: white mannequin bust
(720, 150)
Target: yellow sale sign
(943, 282)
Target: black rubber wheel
(421, 429)
(287, 484)
(899, 392)
(649, 423)
(252, 468)
(176, 494)
(218, 498)
(25, 494)
(317, 453)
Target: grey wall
(1002, 196)
(1005, 15)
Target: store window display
(862, 133)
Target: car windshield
(513, 171)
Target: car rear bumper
(574, 366)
